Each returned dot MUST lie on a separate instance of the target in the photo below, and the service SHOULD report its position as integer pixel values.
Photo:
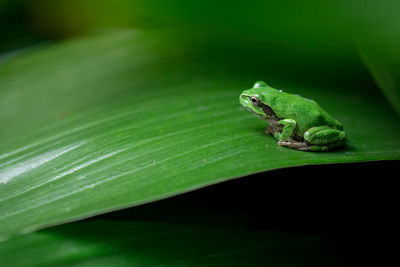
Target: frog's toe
(303, 146)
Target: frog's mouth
(245, 102)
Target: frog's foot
(303, 146)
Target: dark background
(351, 206)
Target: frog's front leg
(288, 130)
(286, 136)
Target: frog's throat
(260, 115)
(266, 114)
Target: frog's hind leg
(323, 138)
(320, 138)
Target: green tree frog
(297, 122)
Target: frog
(296, 122)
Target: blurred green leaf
(378, 41)
(384, 64)
(109, 122)
(128, 243)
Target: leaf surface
(108, 122)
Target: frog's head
(254, 99)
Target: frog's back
(306, 112)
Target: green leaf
(382, 59)
(384, 67)
(114, 121)
(378, 42)
(117, 243)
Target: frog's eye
(255, 101)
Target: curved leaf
(114, 121)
